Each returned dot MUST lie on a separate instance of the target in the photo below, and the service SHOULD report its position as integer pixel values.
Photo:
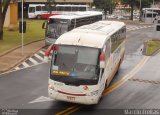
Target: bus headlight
(94, 93)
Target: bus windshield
(75, 65)
(56, 28)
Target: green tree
(49, 5)
(131, 3)
(136, 3)
(106, 5)
(3, 10)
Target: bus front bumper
(87, 100)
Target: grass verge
(13, 39)
(152, 46)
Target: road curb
(8, 51)
(21, 60)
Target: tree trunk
(1, 34)
(3, 15)
(132, 5)
(5, 9)
(1, 22)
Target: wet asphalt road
(27, 88)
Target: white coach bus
(85, 60)
(59, 24)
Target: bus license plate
(71, 98)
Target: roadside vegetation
(12, 37)
(152, 47)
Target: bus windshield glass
(56, 27)
(75, 65)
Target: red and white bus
(41, 11)
(85, 60)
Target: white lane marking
(42, 52)
(40, 99)
(16, 68)
(39, 57)
(25, 64)
(136, 27)
(130, 28)
(33, 61)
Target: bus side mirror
(102, 60)
(44, 25)
(49, 51)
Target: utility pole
(22, 27)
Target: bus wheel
(39, 17)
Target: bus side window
(67, 8)
(60, 8)
(114, 42)
(74, 8)
(32, 9)
(107, 51)
(38, 8)
(44, 8)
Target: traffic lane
(20, 87)
(150, 71)
(131, 95)
(136, 38)
(129, 62)
(133, 52)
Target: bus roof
(151, 9)
(34, 5)
(72, 5)
(92, 35)
(150, 12)
(74, 15)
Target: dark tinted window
(151, 15)
(38, 8)
(82, 8)
(75, 9)
(32, 9)
(44, 8)
(117, 38)
(67, 8)
(60, 8)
